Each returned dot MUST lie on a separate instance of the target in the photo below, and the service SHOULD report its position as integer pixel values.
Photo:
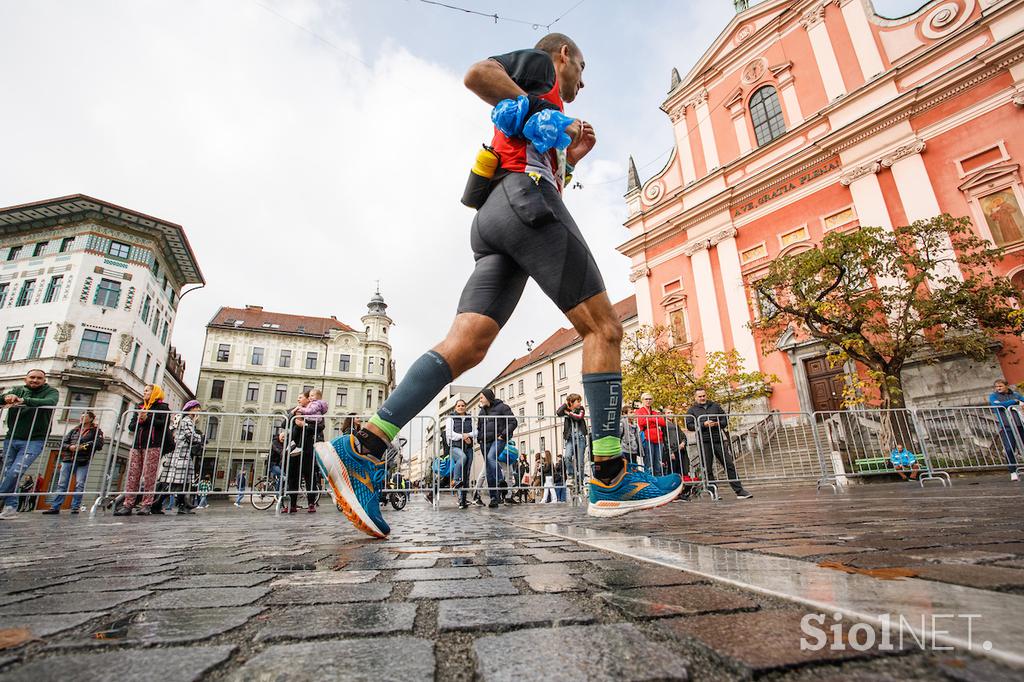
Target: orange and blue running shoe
(631, 491)
(667, 482)
(356, 481)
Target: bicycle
(267, 491)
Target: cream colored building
(256, 362)
(89, 292)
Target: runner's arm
(489, 81)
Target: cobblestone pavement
(240, 594)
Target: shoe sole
(342, 491)
(609, 508)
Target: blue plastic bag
(509, 455)
(443, 467)
(546, 129)
(509, 115)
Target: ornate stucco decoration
(903, 151)
(639, 272)
(853, 174)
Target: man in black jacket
(495, 425)
(712, 431)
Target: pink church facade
(814, 115)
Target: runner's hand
(583, 140)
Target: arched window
(248, 429)
(766, 115)
(212, 428)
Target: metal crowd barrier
(553, 464)
(860, 442)
(31, 470)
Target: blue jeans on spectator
(202, 502)
(576, 454)
(275, 475)
(560, 492)
(652, 457)
(81, 472)
(18, 458)
(494, 474)
(1010, 445)
(459, 471)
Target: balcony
(90, 365)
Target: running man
(522, 230)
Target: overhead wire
(311, 32)
(496, 17)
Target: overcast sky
(311, 147)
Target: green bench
(881, 465)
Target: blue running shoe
(667, 482)
(355, 482)
(631, 491)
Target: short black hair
(552, 44)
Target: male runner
(522, 230)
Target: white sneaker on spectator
(8, 513)
(1014, 476)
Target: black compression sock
(606, 470)
(372, 443)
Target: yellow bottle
(479, 184)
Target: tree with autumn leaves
(651, 365)
(885, 297)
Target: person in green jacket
(29, 409)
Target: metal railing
(203, 455)
(50, 459)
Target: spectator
(629, 435)
(522, 493)
(29, 410)
(459, 436)
(149, 424)
(76, 452)
(495, 425)
(711, 424)
(351, 424)
(177, 470)
(675, 443)
(1011, 431)
(240, 484)
(276, 458)
(204, 492)
(574, 435)
(548, 474)
(560, 478)
(903, 460)
(313, 411)
(302, 461)
(650, 422)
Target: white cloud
(300, 175)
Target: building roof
(255, 318)
(52, 212)
(562, 339)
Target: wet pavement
(695, 590)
